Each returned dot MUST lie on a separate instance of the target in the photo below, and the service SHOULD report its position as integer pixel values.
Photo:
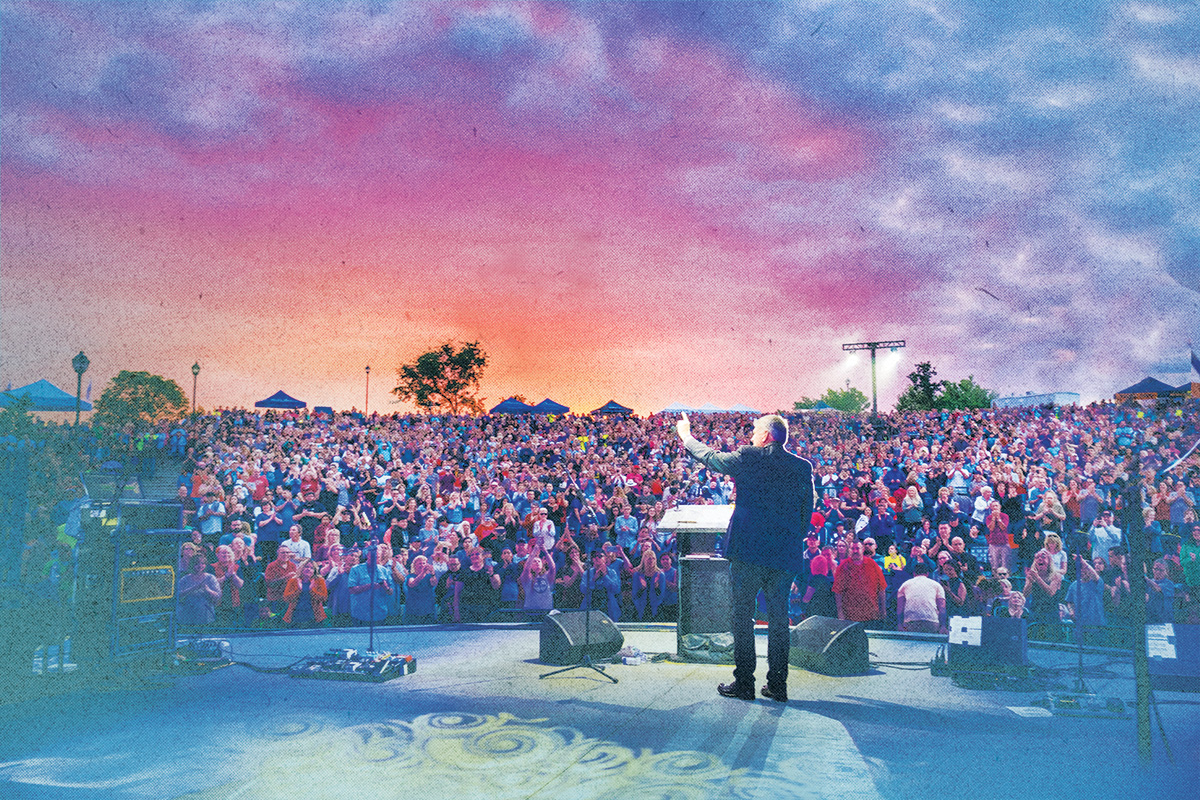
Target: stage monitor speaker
(992, 644)
(1174, 652)
(563, 637)
(830, 646)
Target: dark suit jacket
(774, 504)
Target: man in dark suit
(764, 543)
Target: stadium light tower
(873, 346)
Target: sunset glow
(648, 202)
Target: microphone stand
(372, 561)
(585, 661)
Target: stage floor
(475, 721)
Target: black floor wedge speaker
(830, 646)
(564, 640)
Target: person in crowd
(305, 594)
(301, 549)
(601, 587)
(1160, 594)
(447, 591)
(210, 516)
(1014, 606)
(1042, 585)
(996, 523)
(1085, 604)
(1058, 556)
(1160, 505)
(912, 511)
(819, 600)
(420, 607)
(510, 578)
(370, 588)
(276, 577)
(537, 579)
(194, 545)
(1049, 514)
(959, 601)
(198, 594)
(921, 603)
(1189, 558)
(397, 568)
(568, 581)
(270, 530)
(543, 528)
(337, 583)
(968, 565)
(1180, 502)
(893, 561)
(860, 588)
(667, 588)
(1104, 534)
(479, 588)
(644, 578)
(229, 608)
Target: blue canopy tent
(512, 406)
(281, 399)
(548, 406)
(44, 396)
(1146, 389)
(613, 407)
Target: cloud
(868, 166)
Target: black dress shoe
(779, 697)
(733, 690)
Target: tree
(965, 394)
(445, 378)
(850, 400)
(139, 398)
(922, 394)
(15, 420)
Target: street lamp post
(873, 346)
(195, 375)
(80, 363)
(367, 398)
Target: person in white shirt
(300, 548)
(921, 602)
(544, 530)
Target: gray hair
(775, 425)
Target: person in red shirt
(859, 587)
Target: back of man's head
(775, 426)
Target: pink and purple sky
(651, 202)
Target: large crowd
(302, 520)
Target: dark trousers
(775, 584)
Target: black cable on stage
(1162, 731)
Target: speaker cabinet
(565, 640)
(830, 646)
(150, 516)
(1001, 646)
(1174, 652)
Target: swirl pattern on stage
(495, 756)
